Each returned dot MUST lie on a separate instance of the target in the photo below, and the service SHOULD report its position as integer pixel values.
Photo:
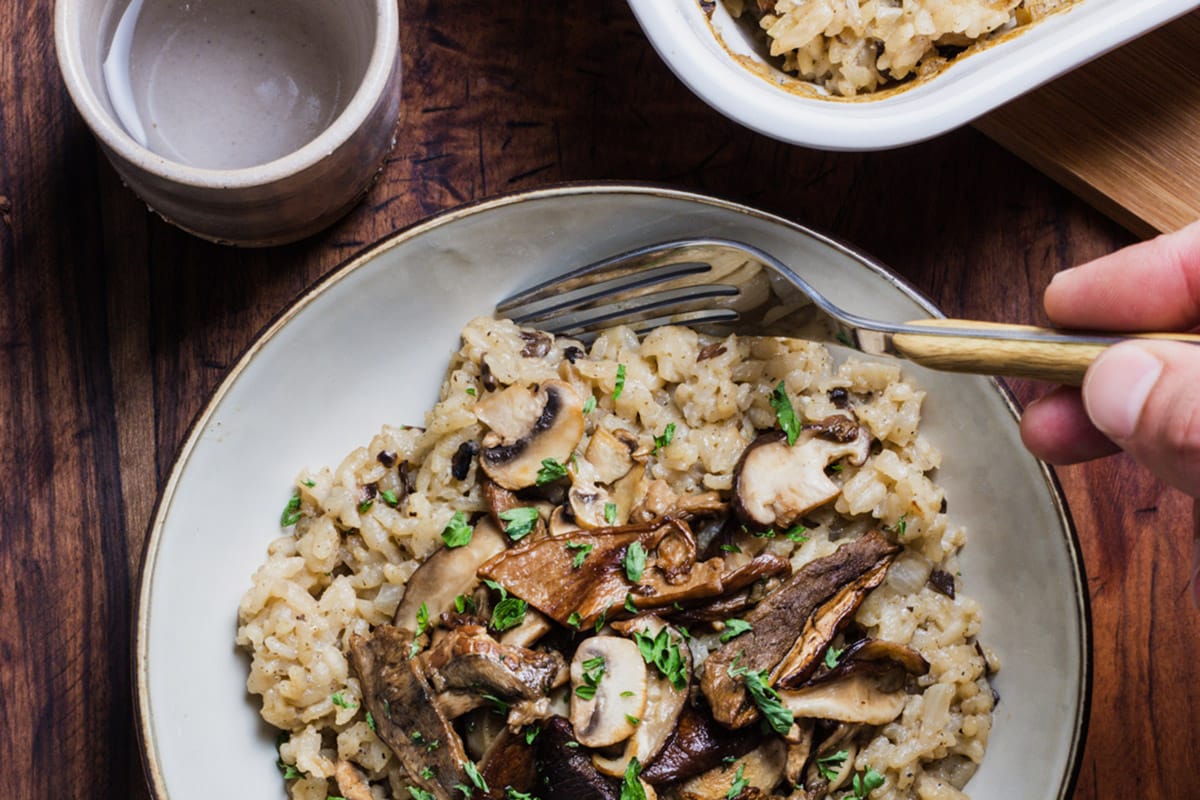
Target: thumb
(1145, 396)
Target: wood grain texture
(1121, 131)
(115, 328)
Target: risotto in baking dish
(680, 567)
(856, 46)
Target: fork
(720, 286)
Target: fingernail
(1054, 278)
(1116, 388)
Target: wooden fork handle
(1059, 362)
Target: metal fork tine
(623, 311)
(590, 284)
(702, 319)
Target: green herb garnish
(832, 656)
(419, 794)
(610, 513)
(796, 534)
(370, 720)
(457, 532)
(531, 733)
(586, 692)
(733, 628)
(551, 471)
(291, 512)
(508, 613)
(784, 412)
(365, 505)
(667, 435)
(779, 718)
(473, 773)
(632, 720)
(581, 552)
(519, 521)
(631, 787)
(867, 782)
(340, 701)
(635, 562)
(629, 605)
(663, 652)
(829, 766)
(589, 405)
(739, 783)
(574, 620)
(731, 548)
(390, 497)
(619, 386)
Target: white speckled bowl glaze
(758, 95)
(374, 340)
(294, 193)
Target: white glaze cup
(250, 122)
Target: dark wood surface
(115, 327)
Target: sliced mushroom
(533, 627)
(832, 763)
(660, 500)
(608, 678)
(467, 658)
(508, 763)
(761, 769)
(775, 484)
(527, 429)
(610, 455)
(446, 574)
(567, 771)
(856, 698)
(800, 744)
(664, 703)
(875, 656)
(697, 745)
(390, 681)
(778, 621)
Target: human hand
(1142, 396)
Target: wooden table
(115, 327)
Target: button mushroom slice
(352, 783)
(778, 621)
(446, 574)
(611, 456)
(567, 771)
(664, 702)
(762, 769)
(401, 701)
(805, 655)
(525, 432)
(467, 658)
(608, 681)
(775, 484)
(697, 745)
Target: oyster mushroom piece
(611, 455)
(775, 483)
(526, 429)
(508, 763)
(391, 680)
(697, 745)
(761, 768)
(665, 704)
(857, 698)
(468, 659)
(446, 574)
(608, 680)
(567, 771)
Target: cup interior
(224, 84)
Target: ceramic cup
(252, 122)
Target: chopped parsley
(427, 773)
(589, 405)
(340, 701)
(471, 391)
(473, 773)
(829, 766)
(309, 482)
(370, 720)
(585, 692)
(457, 532)
(626, 693)
(581, 552)
(512, 794)
(901, 525)
(635, 562)
(519, 522)
(551, 471)
(422, 626)
(734, 628)
(779, 718)
(629, 605)
(291, 512)
(509, 612)
(531, 733)
(739, 783)
(632, 720)
(619, 385)
(667, 435)
(574, 620)
(788, 422)
(462, 602)
(600, 619)
(731, 548)
(390, 497)
(796, 534)
(663, 652)
(593, 671)
(420, 794)
(365, 505)
(865, 783)
(631, 787)
(289, 771)
(499, 705)
(832, 656)
(610, 513)
(769, 533)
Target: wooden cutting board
(1123, 132)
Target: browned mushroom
(509, 763)
(778, 621)
(391, 680)
(527, 429)
(696, 745)
(467, 658)
(568, 773)
(762, 768)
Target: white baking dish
(704, 54)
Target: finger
(1056, 429)
(1143, 396)
(1151, 286)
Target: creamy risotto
(678, 566)
(854, 46)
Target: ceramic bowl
(250, 123)
(723, 61)
(385, 324)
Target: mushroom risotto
(680, 567)
(852, 46)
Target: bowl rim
(145, 584)
(375, 82)
(973, 85)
